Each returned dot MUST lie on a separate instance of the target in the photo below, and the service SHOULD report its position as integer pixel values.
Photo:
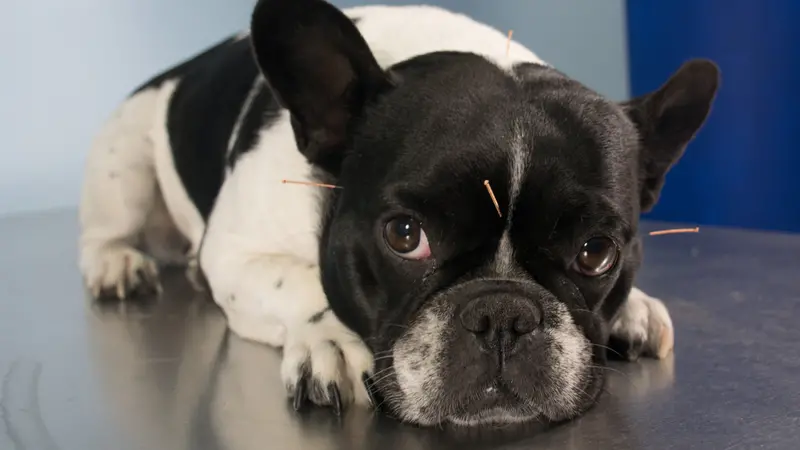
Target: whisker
(385, 376)
(609, 349)
(585, 311)
(612, 370)
(382, 371)
(385, 399)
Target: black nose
(499, 321)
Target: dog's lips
(496, 395)
(496, 402)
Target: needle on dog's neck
(309, 183)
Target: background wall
(67, 64)
(741, 170)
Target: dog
(394, 279)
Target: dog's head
(474, 315)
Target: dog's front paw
(642, 328)
(325, 363)
(120, 271)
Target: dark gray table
(166, 375)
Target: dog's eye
(405, 236)
(598, 255)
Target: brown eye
(598, 255)
(404, 235)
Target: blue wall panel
(741, 170)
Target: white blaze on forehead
(518, 166)
(518, 160)
(504, 258)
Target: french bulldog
(419, 211)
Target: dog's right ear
(668, 118)
(320, 68)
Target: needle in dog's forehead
(494, 199)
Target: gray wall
(66, 64)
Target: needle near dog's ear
(675, 231)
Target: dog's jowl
(403, 286)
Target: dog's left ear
(320, 68)
(667, 119)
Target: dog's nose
(499, 321)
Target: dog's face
(475, 312)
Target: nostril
(475, 323)
(528, 317)
(484, 323)
(525, 324)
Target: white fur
(397, 33)
(260, 258)
(254, 90)
(504, 257)
(119, 193)
(518, 166)
(645, 319)
(570, 363)
(419, 375)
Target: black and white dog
(405, 275)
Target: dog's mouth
(440, 373)
(495, 403)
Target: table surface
(167, 375)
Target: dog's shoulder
(207, 59)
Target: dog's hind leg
(119, 193)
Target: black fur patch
(318, 316)
(202, 116)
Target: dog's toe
(121, 272)
(642, 328)
(299, 392)
(324, 364)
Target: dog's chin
(492, 417)
(496, 404)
